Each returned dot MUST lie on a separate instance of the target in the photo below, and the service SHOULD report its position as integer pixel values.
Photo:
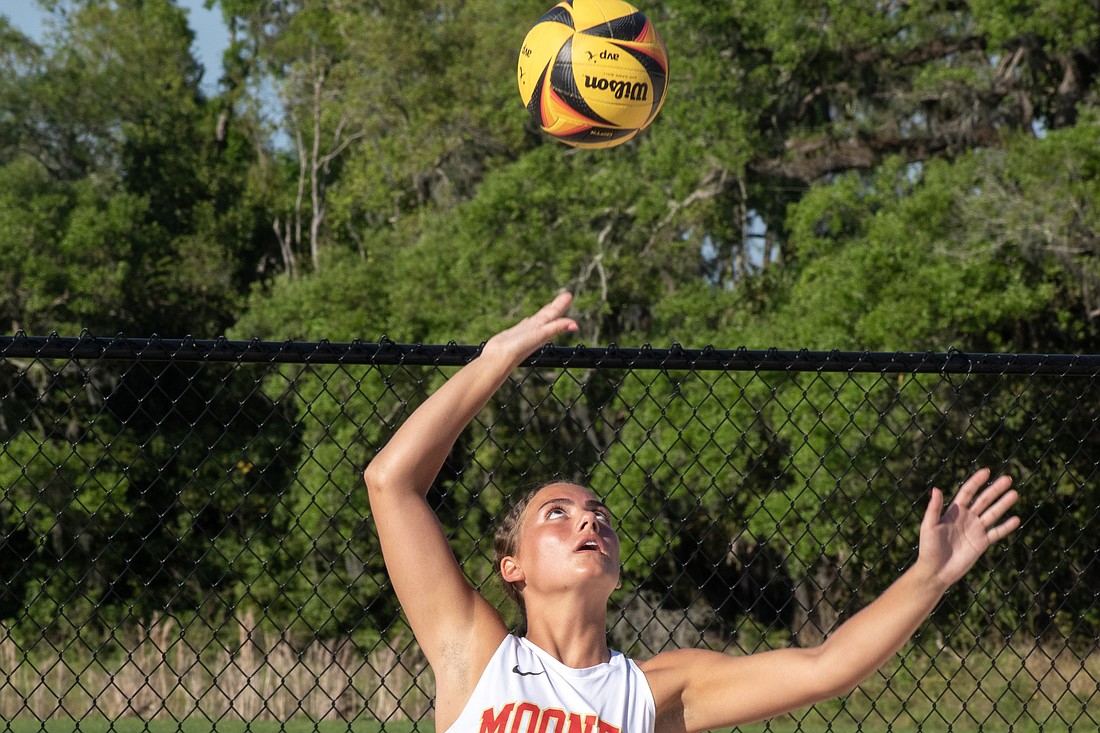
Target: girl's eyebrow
(559, 500)
(590, 505)
(593, 505)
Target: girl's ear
(510, 570)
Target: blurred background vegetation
(824, 174)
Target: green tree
(113, 132)
(122, 210)
(828, 175)
(833, 175)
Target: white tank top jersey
(525, 690)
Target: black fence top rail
(386, 352)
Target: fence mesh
(184, 533)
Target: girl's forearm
(413, 457)
(869, 639)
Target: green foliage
(968, 253)
(828, 175)
(348, 299)
(1063, 25)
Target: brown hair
(506, 544)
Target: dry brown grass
(1023, 687)
(162, 676)
(262, 679)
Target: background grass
(263, 688)
(198, 725)
(782, 725)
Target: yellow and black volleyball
(593, 73)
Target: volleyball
(593, 73)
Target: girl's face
(566, 538)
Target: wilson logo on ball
(637, 92)
(593, 73)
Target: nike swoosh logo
(515, 670)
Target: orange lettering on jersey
(496, 723)
(580, 723)
(555, 716)
(528, 717)
(530, 710)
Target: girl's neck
(575, 640)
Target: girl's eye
(555, 511)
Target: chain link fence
(185, 537)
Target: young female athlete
(560, 554)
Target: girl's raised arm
(700, 690)
(456, 628)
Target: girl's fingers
(970, 487)
(1002, 530)
(993, 513)
(992, 494)
(554, 308)
(934, 509)
(549, 321)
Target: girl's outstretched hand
(951, 541)
(520, 341)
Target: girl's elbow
(835, 676)
(841, 688)
(374, 476)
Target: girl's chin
(600, 579)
